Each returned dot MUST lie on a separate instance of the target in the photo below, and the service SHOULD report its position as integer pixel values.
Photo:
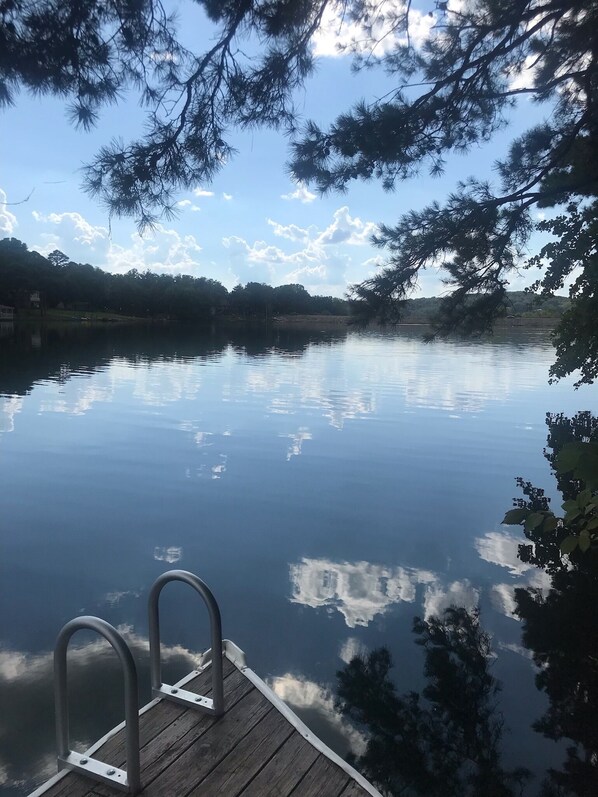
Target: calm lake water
(328, 486)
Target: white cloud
(226, 196)
(351, 648)
(79, 229)
(347, 229)
(164, 250)
(8, 220)
(170, 554)
(290, 231)
(319, 262)
(10, 406)
(301, 193)
(337, 35)
(202, 192)
(297, 438)
(358, 590)
(525, 75)
(501, 548)
(184, 203)
(437, 598)
(305, 695)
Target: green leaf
(587, 467)
(568, 457)
(593, 524)
(550, 523)
(584, 497)
(569, 544)
(515, 516)
(584, 541)
(570, 506)
(534, 520)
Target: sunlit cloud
(8, 220)
(10, 406)
(202, 192)
(117, 596)
(503, 595)
(501, 548)
(290, 231)
(358, 590)
(166, 250)
(220, 468)
(78, 228)
(351, 648)
(170, 554)
(297, 439)
(337, 35)
(81, 399)
(305, 695)
(347, 229)
(301, 194)
(460, 594)
(317, 258)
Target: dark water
(328, 486)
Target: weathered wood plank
(354, 790)
(179, 735)
(323, 779)
(252, 751)
(246, 759)
(284, 770)
(199, 758)
(151, 724)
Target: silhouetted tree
(560, 626)
(451, 93)
(444, 741)
(143, 294)
(561, 630)
(573, 456)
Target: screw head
(83, 761)
(173, 691)
(111, 772)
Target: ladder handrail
(215, 632)
(131, 696)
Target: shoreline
(299, 321)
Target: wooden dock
(259, 747)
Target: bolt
(111, 772)
(174, 691)
(83, 761)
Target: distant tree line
(82, 287)
(77, 286)
(516, 304)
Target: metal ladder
(129, 780)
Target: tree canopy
(64, 284)
(452, 92)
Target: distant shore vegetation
(57, 286)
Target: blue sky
(253, 222)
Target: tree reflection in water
(446, 740)
(561, 628)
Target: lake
(328, 485)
